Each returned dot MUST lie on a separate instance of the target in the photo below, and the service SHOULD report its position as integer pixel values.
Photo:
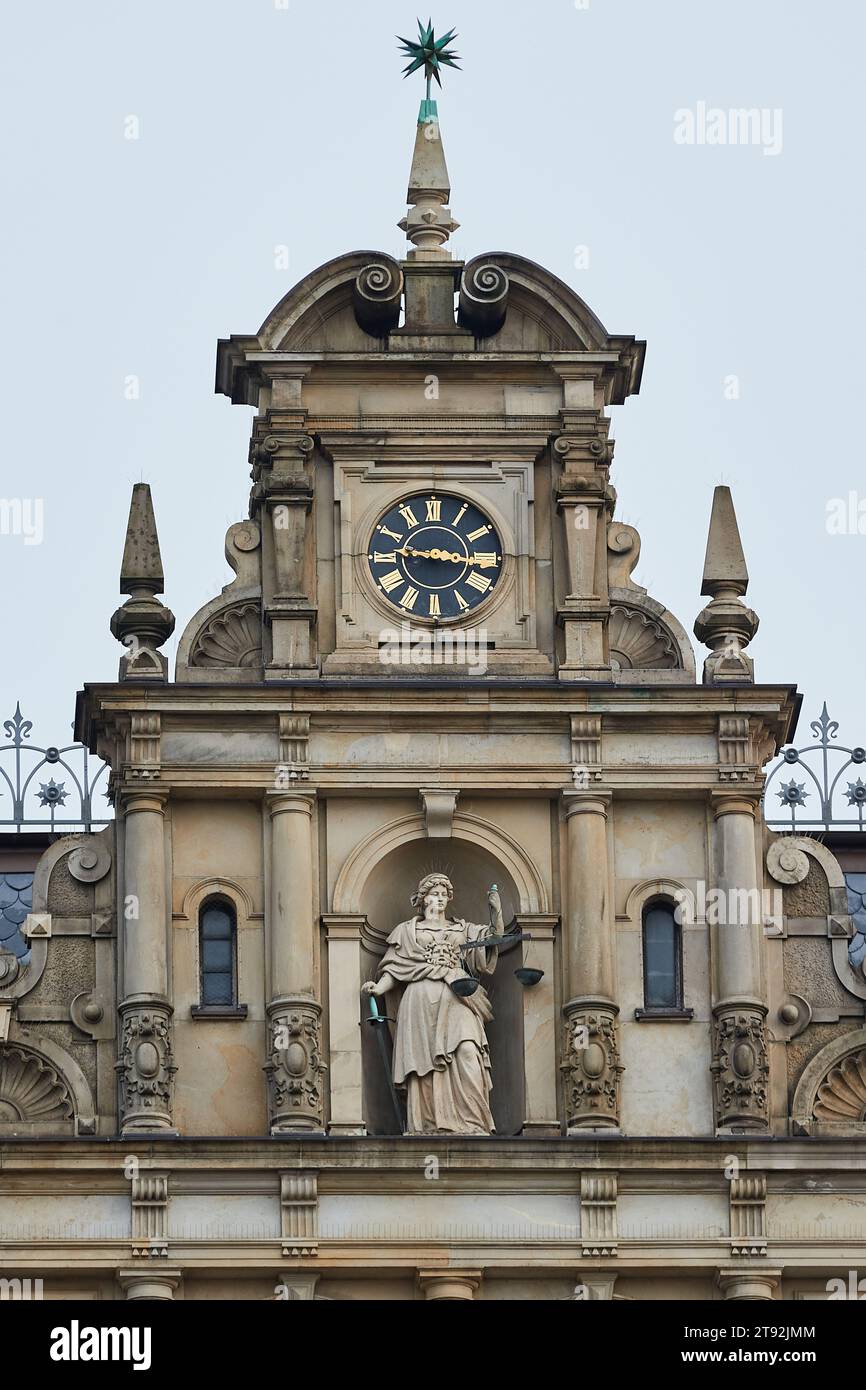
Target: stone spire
(143, 623)
(726, 625)
(428, 224)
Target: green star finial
(432, 55)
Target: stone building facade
(194, 1101)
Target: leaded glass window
(217, 939)
(661, 958)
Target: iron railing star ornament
(821, 789)
(27, 796)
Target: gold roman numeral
(389, 559)
(461, 602)
(409, 599)
(486, 559)
(477, 581)
(434, 509)
(409, 517)
(392, 534)
(476, 535)
(434, 606)
(391, 581)
(462, 512)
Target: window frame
(233, 1009)
(669, 1013)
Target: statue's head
(436, 888)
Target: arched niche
(385, 901)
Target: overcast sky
(264, 124)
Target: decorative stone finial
(143, 623)
(726, 625)
(428, 223)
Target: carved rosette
(740, 1067)
(295, 1067)
(146, 1067)
(591, 1066)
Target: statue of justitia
(440, 1050)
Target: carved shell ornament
(637, 642)
(841, 1096)
(31, 1091)
(231, 639)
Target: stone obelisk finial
(726, 625)
(143, 623)
(428, 223)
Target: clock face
(435, 556)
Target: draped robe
(440, 1048)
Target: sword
(379, 1022)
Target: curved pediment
(318, 312)
(544, 313)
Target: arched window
(662, 963)
(217, 930)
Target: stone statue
(440, 1049)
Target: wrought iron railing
(823, 788)
(47, 804)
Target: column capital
(297, 803)
(150, 1284)
(748, 1285)
(586, 803)
(727, 803)
(450, 1284)
(344, 926)
(152, 799)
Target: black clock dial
(435, 556)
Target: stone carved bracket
(146, 1067)
(439, 808)
(150, 1216)
(598, 1225)
(740, 1067)
(591, 1068)
(586, 731)
(299, 1214)
(295, 1066)
(294, 766)
(748, 1202)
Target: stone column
(539, 1027)
(591, 1064)
(451, 1285)
(149, 1285)
(294, 1069)
(740, 1065)
(746, 1285)
(145, 1066)
(345, 1066)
